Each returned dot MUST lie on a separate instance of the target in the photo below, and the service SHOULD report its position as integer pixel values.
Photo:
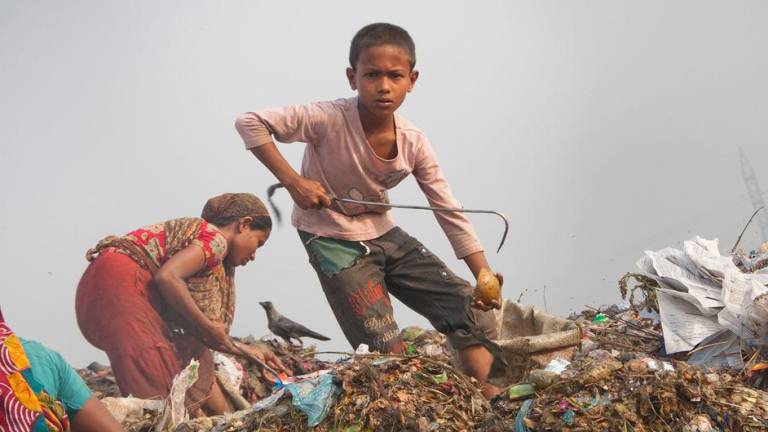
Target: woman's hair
(224, 209)
(258, 222)
(378, 34)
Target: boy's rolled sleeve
(432, 182)
(305, 123)
(253, 130)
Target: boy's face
(382, 77)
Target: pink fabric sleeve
(306, 123)
(456, 226)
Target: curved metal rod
(436, 209)
(271, 191)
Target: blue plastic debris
(314, 397)
(569, 417)
(520, 417)
(268, 402)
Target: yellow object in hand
(488, 287)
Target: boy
(359, 148)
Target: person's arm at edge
(95, 417)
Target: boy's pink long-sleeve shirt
(339, 156)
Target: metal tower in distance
(755, 194)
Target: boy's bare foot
(476, 361)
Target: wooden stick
(744, 230)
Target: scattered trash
(699, 423)
(101, 383)
(755, 261)
(568, 417)
(98, 368)
(622, 383)
(314, 397)
(542, 379)
(229, 375)
(558, 365)
(269, 401)
(757, 318)
(130, 409)
(175, 404)
(655, 365)
(228, 370)
(520, 391)
(530, 338)
(521, 423)
(705, 302)
(619, 397)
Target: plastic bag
(228, 370)
(181, 383)
(314, 397)
(125, 408)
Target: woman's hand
(267, 356)
(215, 337)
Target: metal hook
(271, 191)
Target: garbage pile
(612, 390)
(256, 385)
(531, 338)
(754, 261)
(620, 380)
(357, 392)
(609, 368)
(100, 380)
(370, 392)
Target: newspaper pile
(708, 306)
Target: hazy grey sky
(600, 128)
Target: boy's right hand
(307, 193)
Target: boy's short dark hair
(377, 34)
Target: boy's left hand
(489, 304)
(485, 307)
